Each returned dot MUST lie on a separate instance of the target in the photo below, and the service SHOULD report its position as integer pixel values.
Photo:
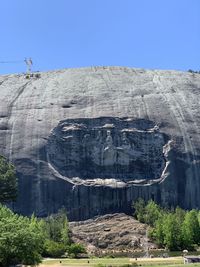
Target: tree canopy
(21, 239)
(56, 231)
(25, 240)
(174, 229)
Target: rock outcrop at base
(93, 140)
(112, 233)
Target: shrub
(75, 249)
(54, 249)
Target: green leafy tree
(8, 181)
(56, 227)
(171, 232)
(139, 207)
(56, 232)
(180, 215)
(190, 229)
(158, 233)
(198, 216)
(21, 239)
(152, 213)
(174, 229)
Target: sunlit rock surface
(95, 139)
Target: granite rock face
(95, 139)
(107, 149)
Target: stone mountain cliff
(95, 139)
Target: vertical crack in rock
(10, 125)
(4, 80)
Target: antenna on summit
(29, 64)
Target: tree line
(26, 240)
(174, 229)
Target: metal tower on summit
(29, 64)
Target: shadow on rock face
(101, 165)
(107, 150)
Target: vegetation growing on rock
(8, 181)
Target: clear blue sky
(161, 34)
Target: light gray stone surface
(66, 154)
(111, 233)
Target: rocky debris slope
(95, 139)
(111, 233)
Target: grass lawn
(158, 261)
(84, 262)
(153, 262)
